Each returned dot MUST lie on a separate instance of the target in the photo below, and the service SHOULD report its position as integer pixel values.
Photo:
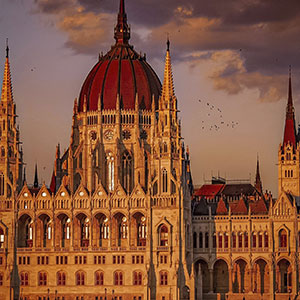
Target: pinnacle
(7, 94)
(168, 84)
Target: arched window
(137, 278)
(141, 232)
(200, 240)
(2, 151)
(246, 240)
(220, 241)
(165, 180)
(1, 279)
(61, 278)
(266, 240)
(206, 240)
(260, 240)
(84, 226)
(254, 244)
(127, 174)
(163, 236)
(118, 278)
(195, 240)
(2, 238)
(240, 240)
(233, 240)
(225, 240)
(110, 170)
(1, 184)
(163, 276)
(282, 238)
(24, 279)
(123, 228)
(104, 229)
(80, 278)
(42, 278)
(99, 278)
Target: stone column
(211, 280)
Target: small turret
(258, 183)
(36, 180)
(290, 128)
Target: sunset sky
(231, 55)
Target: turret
(11, 164)
(288, 153)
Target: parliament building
(120, 219)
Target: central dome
(122, 71)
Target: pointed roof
(36, 180)
(290, 128)
(7, 94)
(258, 183)
(122, 30)
(221, 208)
(240, 207)
(53, 183)
(168, 85)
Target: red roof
(240, 207)
(209, 190)
(259, 206)
(221, 208)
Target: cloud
(229, 74)
(265, 34)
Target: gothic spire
(258, 184)
(290, 129)
(36, 180)
(122, 30)
(7, 94)
(168, 85)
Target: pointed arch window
(282, 238)
(110, 166)
(118, 278)
(200, 240)
(2, 237)
(42, 278)
(80, 278)
(163, 236)
(137, 278)
(142, 232)
(99, 278)
(24, 279)
(61, 278)
(127, 174)
(165, 180)
(104, 229)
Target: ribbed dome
(122, 71)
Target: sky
(230, 65)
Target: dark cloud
(264, 33)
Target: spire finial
(258, 183)
(7, 48)
(122, 30)
(168, 42)
(36, 180)
(290, 128)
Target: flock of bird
(215, 113)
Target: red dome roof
(122, 71)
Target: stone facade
(116, 220)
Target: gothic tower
(11, 164)
(10, 153)
(288, 154)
